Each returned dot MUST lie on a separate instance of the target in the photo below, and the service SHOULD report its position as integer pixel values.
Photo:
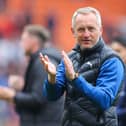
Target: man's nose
(86, 33)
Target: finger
(43, 60)
(67, 61)
(63, 55)
(66, 57)
(46, 58)
(41, 56)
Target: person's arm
(107, 84)
(33, 99)
(121, 107)
(54, 91)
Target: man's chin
(86, 47)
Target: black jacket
(79, 108)
(33, 108)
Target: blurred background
(56, 16)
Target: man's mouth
(86, 41)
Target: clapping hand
(49, 67)
(70, 73)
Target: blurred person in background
(4, 110)
(12, 61)
(119, 45)
(91, 74)
(32, 107)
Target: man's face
(28, 43)
(86, 30)
(120, 49)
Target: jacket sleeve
(34, 98)
(107, 84)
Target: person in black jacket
(32, 107)
(119, 45)
(91, 75)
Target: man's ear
(73, 32)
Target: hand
(7, 94)
(70, 73)
(16, 82)
(49, 67)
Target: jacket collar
(92, 50)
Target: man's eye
(81, 30)
(91, 29)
